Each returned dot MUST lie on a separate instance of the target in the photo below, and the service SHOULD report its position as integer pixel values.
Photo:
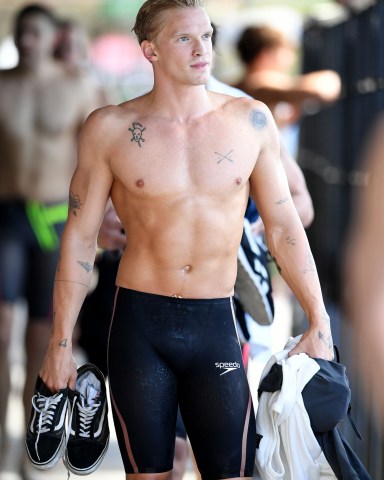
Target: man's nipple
(140, 183)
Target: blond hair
(148, 20)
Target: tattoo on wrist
(63, 343)
(137, 130)
(74, 203)
(224, 157)
(327, 340)
(258, 119)
(87, 266)
(290, 241)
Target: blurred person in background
(269, 58)
(260, 337)
(364, 273)
(72, 48)
(43, 105)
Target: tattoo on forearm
(327, 340)
(74, 203)
(87, 266)
(258, 119)
(277, 265)
(137, 130)
(290, 241)
(63, 343)
(224, 157)
(310, 266)
(282, 201)
(70, 281)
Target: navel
(140, 183)
(187, 268)
(239, 181)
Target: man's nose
(199, 48)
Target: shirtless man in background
(179, 164)
(42, 108)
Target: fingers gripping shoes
(45, 437)
(88, 429)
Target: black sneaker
(45, 437)
(253, 284)
(88, 435)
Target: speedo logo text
(227, 366)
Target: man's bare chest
(38, 109)
(210, 159)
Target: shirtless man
(42, 108)
(179, 164)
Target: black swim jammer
(165, 351)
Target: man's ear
(149, 51)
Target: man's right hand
(59, 369)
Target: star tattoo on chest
(137, 130)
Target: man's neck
(180, 103)
(39, 68)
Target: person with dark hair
(179, 164)
(268, 56)
(42, 107)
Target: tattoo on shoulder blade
(74, 203)
(310, 266)
(258, 119)
(224, 157)
(87, 266)
(137, 130)
(63, 343)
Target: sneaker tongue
(91, 395)
(89, 388)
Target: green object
(118, 9)
(42, 219)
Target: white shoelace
(45, 407)
(86, 415)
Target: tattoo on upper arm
(74, 203)
(290, 241)
(63, 343)
(310, 266)
(282, 201)
(137, 130)
(258, 119)
(87, 266)
(326, 340)
(224, 157)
